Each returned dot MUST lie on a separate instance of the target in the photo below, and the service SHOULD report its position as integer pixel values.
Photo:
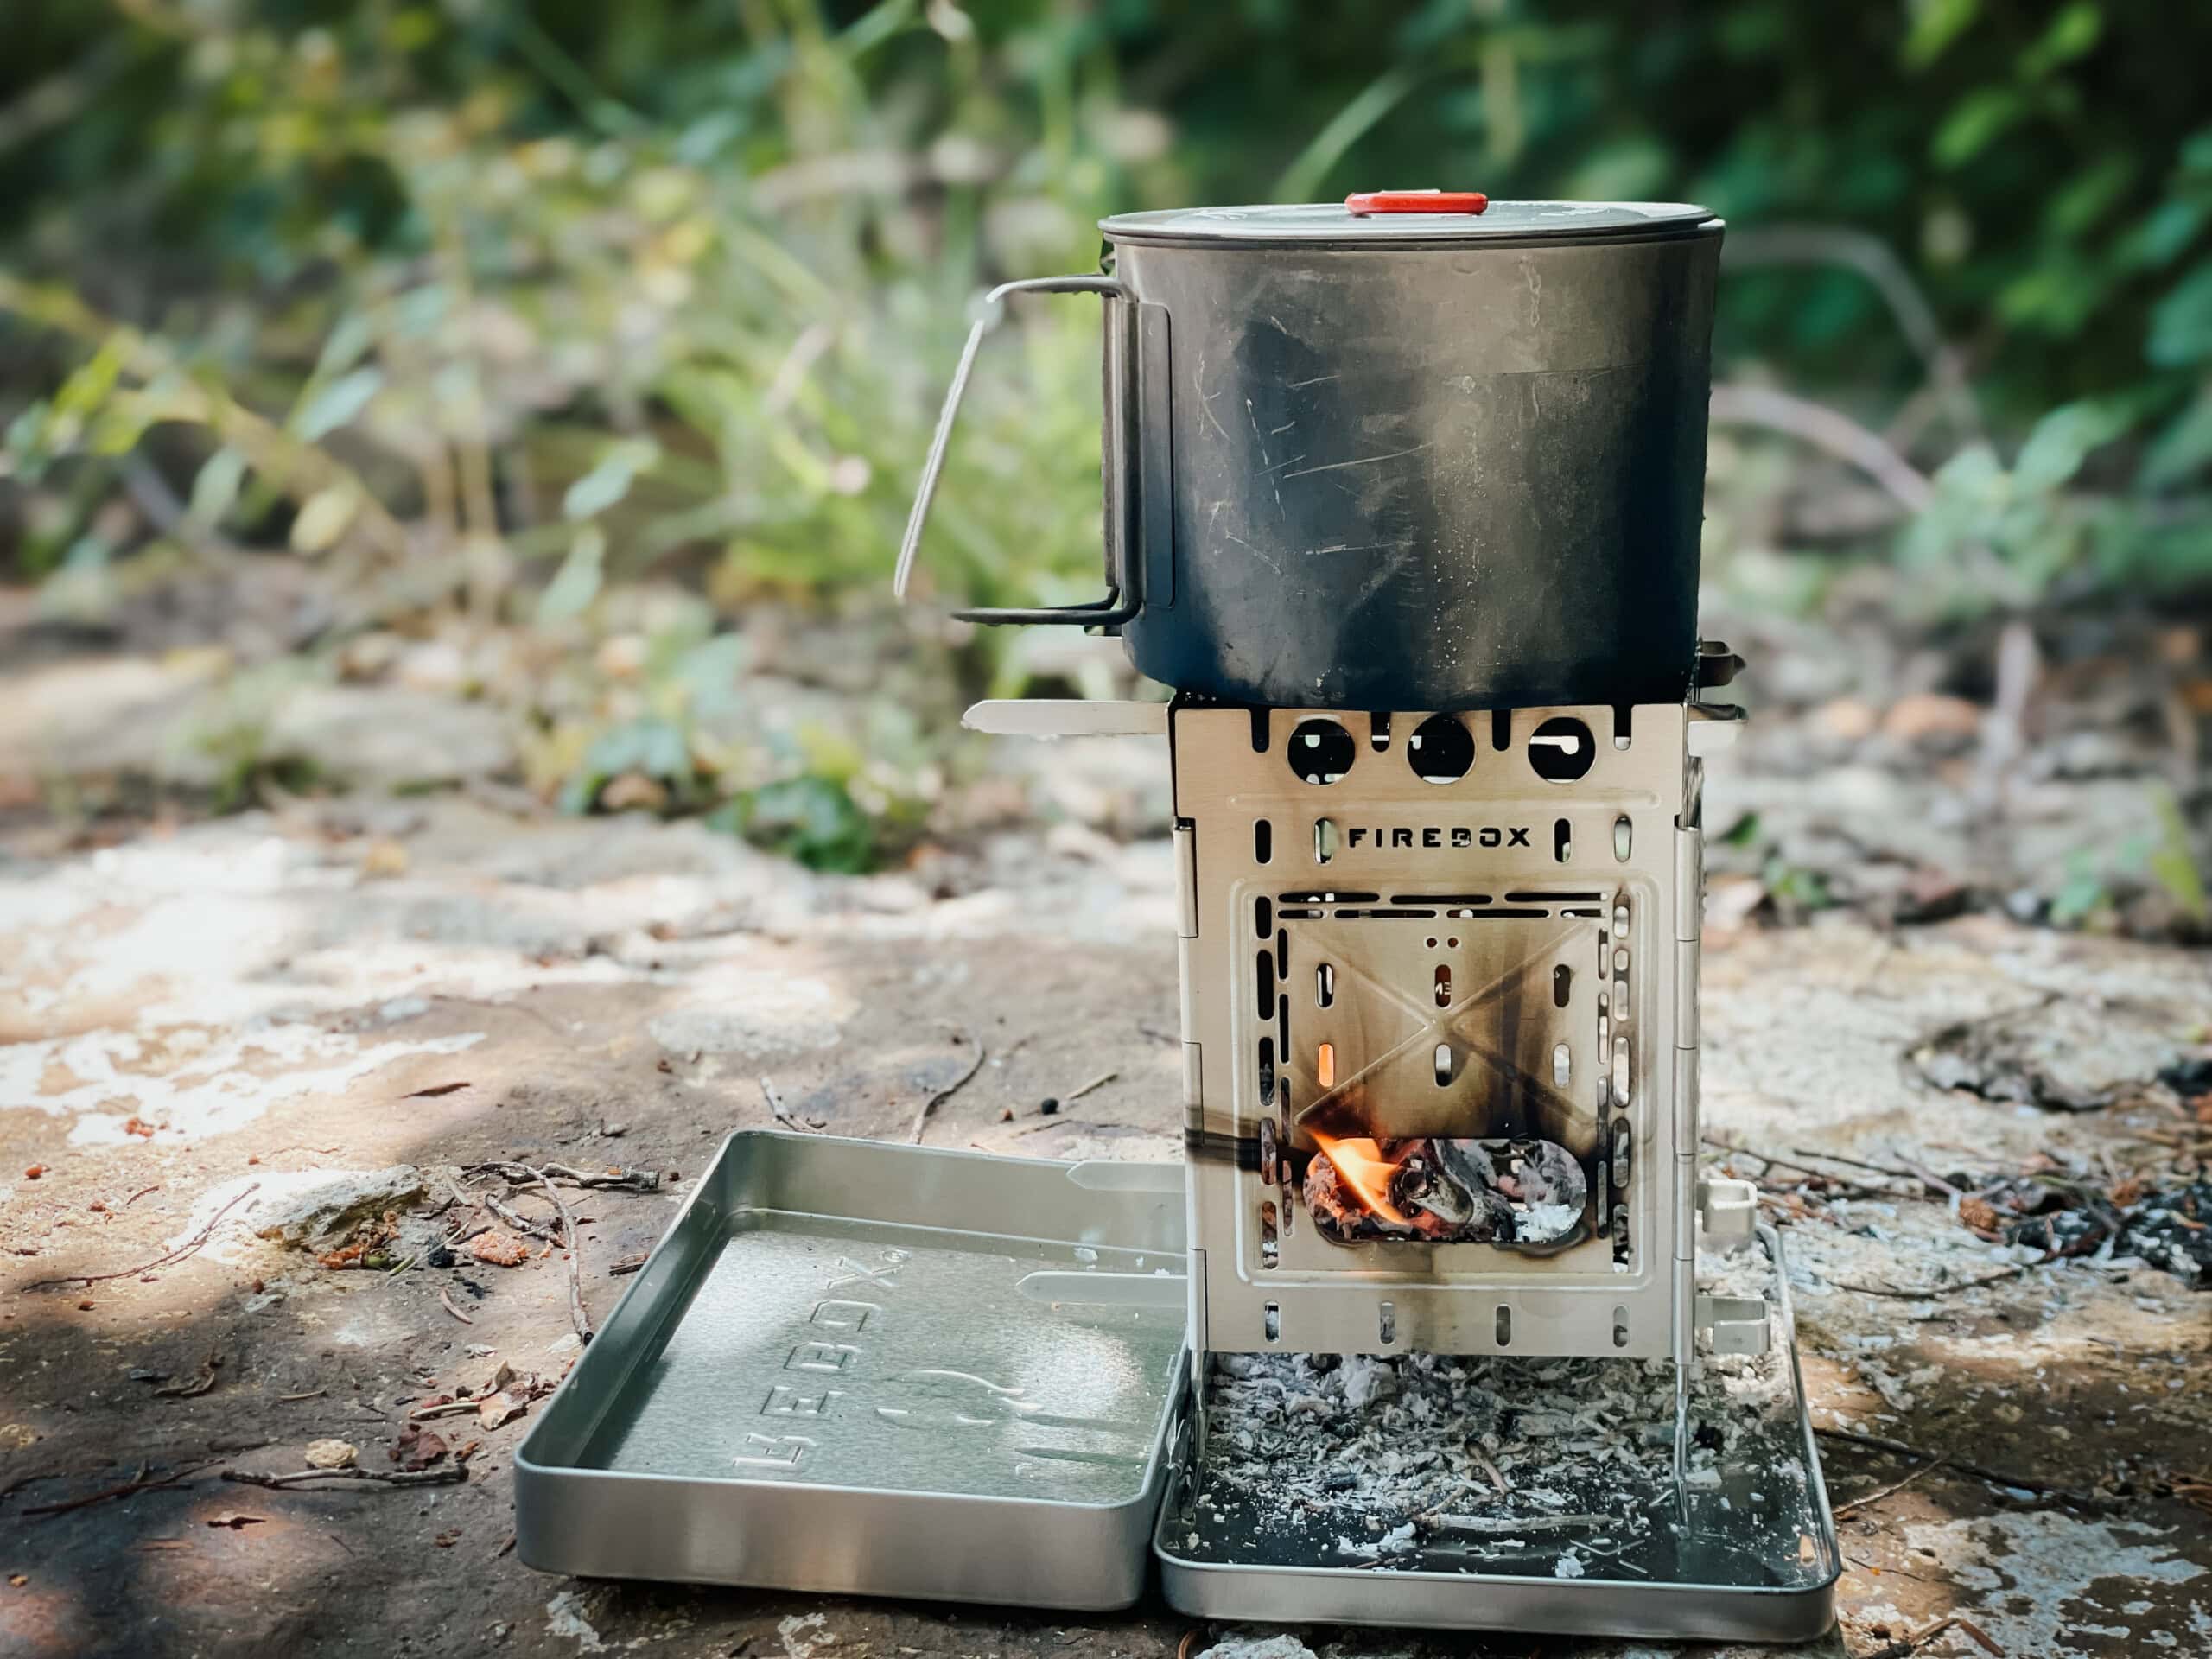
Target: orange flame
(1359, 1161)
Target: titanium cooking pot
(1419, 451)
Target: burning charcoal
(1446, 1190)
(1455, 1182)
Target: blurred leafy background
(613, 330)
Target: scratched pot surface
(822, 1351)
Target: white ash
(1379, 1462)
(1549, 1220)
(1278, 1646)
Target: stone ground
(191, 1005)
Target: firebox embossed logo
(1458, 836)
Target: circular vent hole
(1562, 749)
(1440, 750)
(1320, 751)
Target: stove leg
(1684, 1346)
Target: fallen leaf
(418, 1447)
(633, 789)
(436, 1089)
(235, 1523)
(497, 1409)
(499, 1247)
(1980, 1214)
(383, 858)
(478, 1378)
(199, 1384)
(446, 1539)
(34, 1171)
(1928, 715)
(468, 1451)
(139, 1126)
(332, 1454)
(1847, 719)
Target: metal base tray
(831, 1377)
(1741, 1572)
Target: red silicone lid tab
(1363, 202)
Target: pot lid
(1403, 217)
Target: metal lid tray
(831, 1377)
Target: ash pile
(1554, 1468)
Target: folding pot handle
(1124, 596)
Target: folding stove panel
(1440, 983)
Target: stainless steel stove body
(1470, 940)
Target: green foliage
(549, 296)
(811, 818)
(695, 275)
(233, 736)
(651, 747)
(681, 737)
(1794, 891)
(2161, 857)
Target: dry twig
(190, 1247)
(1496, 1477)
(443, 1409)
(1876, 261)
(1829, 430)
(566, 1238)
(455, 1476)
(1848, 1188)
(2096, 1501)
(577, 1316)
(622, 1178)
(1980, 1636)
(446, 1302)
(1877, 1495)
(1905, 1646)
(520, 1221)
(144, 1481)
(784, 1115)
(1934, 1291)
(198, 1385)
(922, 1117)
